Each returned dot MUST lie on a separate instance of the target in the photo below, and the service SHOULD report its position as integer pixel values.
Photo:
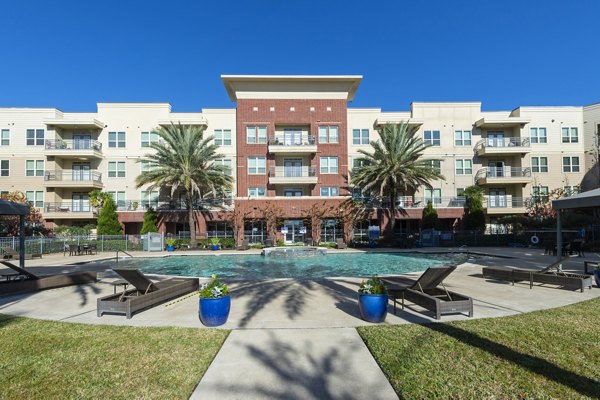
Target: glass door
(495, 139)
(292, 233)
(80, 202)
(292, 136)
(82, 141)
(292, 192)
(497, 198)
(496, 169)
(292, 168)
(81, 172)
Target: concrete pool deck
(295, 338)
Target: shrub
(150, 220)
(108, 220)
(228, 243)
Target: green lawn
(546, 354)
(50, 360)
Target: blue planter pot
(373, 307)
(214, 312)
(597, 277)
(214, 247)
(170, 248)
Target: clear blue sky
(72, 54)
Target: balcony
(174, 205)
(408, 202)
(76, 148)
(497, 146)
(293, 175)
(69, 210)
(503, 175)
(304, 144)
(506, 204)
(73, 179)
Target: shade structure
(588, 199)
(12, 208)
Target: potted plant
(373, 300)
(597, 275)
(214, 303)
(215, 244)
(170, 243)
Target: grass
(47, 359)
(545, 354)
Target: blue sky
(72, 54)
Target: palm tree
(394, 165)
(184, 161)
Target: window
(538, 135)
(360, 136)
(464, 167)
(119, 199)
(571, 190)
(147, 138)
(539, 193)
(539, 164)
(329, 191)
(116, 169)
(435, 164)
(433, 195)
(462, 138)
(149, 199)
(570, 164)
(225, 162)
(34, 168)
(148, 165)
(460, 192)
(358, 162)
(35, 198)
(432, 138)
(570, 135)
(257, 192)
(328, 134)
(329, 165)
(4, 168)
(256, 134)
(5, 137)
(257, 165)
(116, 139)
(223, 137)
(35, 137)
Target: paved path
(295, 339)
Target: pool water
(260, 267)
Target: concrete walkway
(295, 339)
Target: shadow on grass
(581, 384)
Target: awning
(591, 198)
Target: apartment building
(290, 144)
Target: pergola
(587, 199)
(12, 208)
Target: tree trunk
(392, 214)
(191, 220)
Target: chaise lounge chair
(552, 274)
(26, 281)
(243, 245)
(12, 254)
(146, 294)
(425, 292)
(339, 244)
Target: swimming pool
(325, 266)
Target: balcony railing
(503, 142)
(68, 207)
(172, 205)
(503, 172)
(293, 172)
(281, 140)
(74, 144)
(507, 201)
(72, 175)
(416, 202)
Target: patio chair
(552, 274)
(339, 244)
(268, 243)
(27, 281)
(427, 293)
(146, 294)
(12, 254)
(243, 246)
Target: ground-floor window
(496, 228)
(255, 231)
(361, 231)
(219, 229)
(330, 231)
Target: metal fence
(48, 245)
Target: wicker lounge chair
(146, 294)
(339, 244)
(29, 282)
(12, 254)
(552, 274)
(426, 292)
(243, 246)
